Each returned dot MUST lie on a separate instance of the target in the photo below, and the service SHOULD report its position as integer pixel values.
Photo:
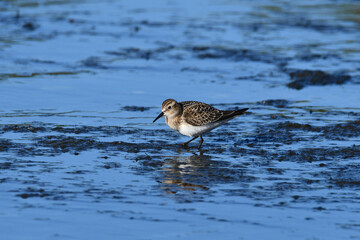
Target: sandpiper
(194, 119)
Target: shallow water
(82, 81)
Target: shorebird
(193, 119)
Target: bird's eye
(169, 107)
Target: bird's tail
(231, 114)
(240, 111)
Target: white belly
(195, 131)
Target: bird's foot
(185, 145)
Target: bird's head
(170, 108)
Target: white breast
(194, 131)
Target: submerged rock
(279, 103)
(135, 108)
(29, 26)
(303, 78)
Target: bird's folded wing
(198, 114)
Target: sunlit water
(81, 82)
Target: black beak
(160, 115)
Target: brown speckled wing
(198, 113)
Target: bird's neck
(173, 122)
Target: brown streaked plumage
(193, 118)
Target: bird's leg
(185, 144)
(201, 142)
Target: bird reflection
(188, 173)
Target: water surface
(81, 82)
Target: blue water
(70, 64)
